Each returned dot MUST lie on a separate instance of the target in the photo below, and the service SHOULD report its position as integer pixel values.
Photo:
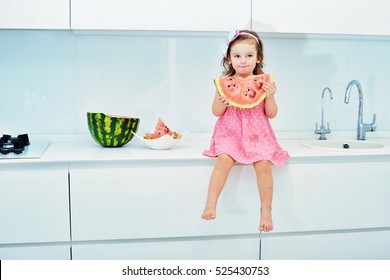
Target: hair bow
(232, 35)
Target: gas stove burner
(15, 145)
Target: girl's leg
(217, 181)
(265, 185)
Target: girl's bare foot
(209, 212)
(266, 221)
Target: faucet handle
(373, 124)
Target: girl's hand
(270, 89)
(219, 104)
(223, 100)
(271, 108)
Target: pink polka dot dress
(247, 136)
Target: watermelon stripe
(111, 131)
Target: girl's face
(243, 57)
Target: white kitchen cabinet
(369, 245)
(316, 196)
(351, 17)
(34, 209)
(156, 15)
(242, 248)
(45, 252)
(34, 14)
(160, 201)
(152, 208)
(330, 210)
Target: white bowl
(162, 143)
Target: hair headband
(232, 36)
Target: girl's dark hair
(228, 69)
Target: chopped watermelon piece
(160, 130)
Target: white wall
(50, 79)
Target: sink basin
(342, 144)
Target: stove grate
(9, 144)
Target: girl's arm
(270, 107)
(219, 105)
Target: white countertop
(82, 148)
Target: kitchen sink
(342, 144)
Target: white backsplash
(50, 79)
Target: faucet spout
(360, 92)
(362, 128)
(322, 103)
(323, 130)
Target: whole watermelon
(111, 131)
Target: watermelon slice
(160, 130)
(243, 92)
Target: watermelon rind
(111, 131)
(241, 106)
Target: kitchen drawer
(44, 252)
(160, 201)
(331, 196)
(241, 248)
(360, 245)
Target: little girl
(244, 135)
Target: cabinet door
(201, 249)
(34, 14)
(45, 252)
(157, 202)
(331, 196)
(368, 245)
(321, 17)
(34, 206)
(184, 15)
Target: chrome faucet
(362, 128)
(322, 131)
